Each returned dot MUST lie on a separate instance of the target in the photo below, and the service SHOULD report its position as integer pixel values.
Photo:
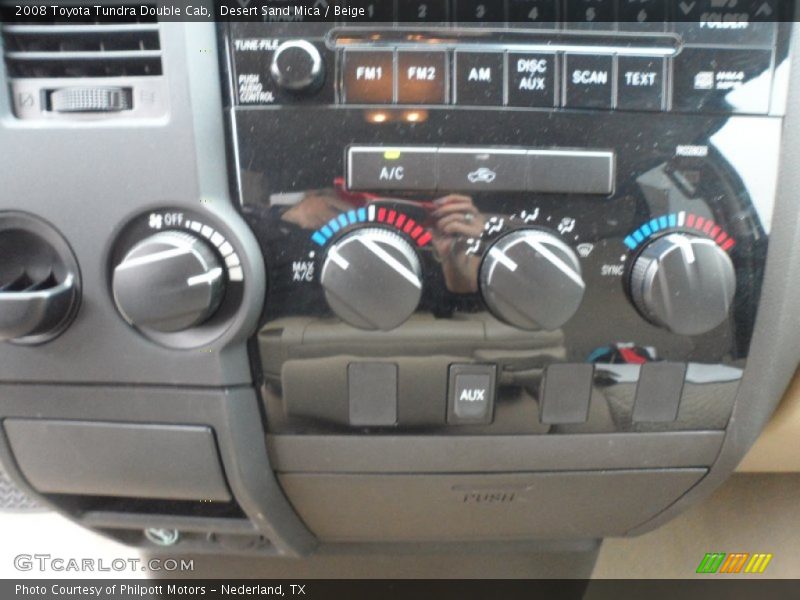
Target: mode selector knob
(683, 283)
(532, 280)
(168, 282)
(297, 66)
(372, 279)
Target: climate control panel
(592, 270)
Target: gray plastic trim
(176, 462)
(117, 520)
(774, 352)
(233, 414)
(89, 178)
(491, 454)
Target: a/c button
(386, 168)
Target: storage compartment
(576, 505)
(114, 459)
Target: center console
(503, 262)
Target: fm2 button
(422, 77)
(471, 394)
(383, 168)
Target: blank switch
(658, 394)
(565, 395)
(373, 394)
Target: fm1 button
(589, 80)
(640, 83)
(479, 78)
(471, 394)
(532, 80)
(369, 77)
(383, 168)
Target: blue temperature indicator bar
(326, 232)
(652, 227)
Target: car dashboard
(435, 276)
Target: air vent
(39, 281)
(96, 49)
(87, 69)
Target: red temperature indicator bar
(405, 224)
(680, 220)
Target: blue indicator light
(326, 231)
(318, 238)
(333, 224)
(630, 243)
(362, 215)
(646, 230)
(673, 220)
(637, 235)
(343, 220)
(663, 222)
(654, 225)
(351, 217)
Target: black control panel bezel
(330, 129)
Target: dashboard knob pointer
(683, 283)
(168, 282)
(372, 279)
(532, 280)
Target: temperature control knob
(532, 280)
(683, 283)
(372, 279)
(168, 282)
(297, 66)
